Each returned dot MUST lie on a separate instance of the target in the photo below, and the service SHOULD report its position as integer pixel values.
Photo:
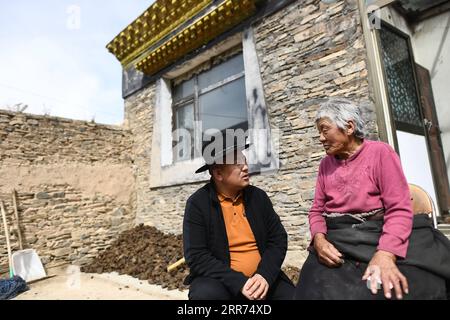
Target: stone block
(42, 195)
(61, 252)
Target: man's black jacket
(205, 241)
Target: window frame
(263, 152)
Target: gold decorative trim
(201, 31)
(154, 24)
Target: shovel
(25, 263)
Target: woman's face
(333, 139)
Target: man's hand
(327, 253)
(255, 288)
(382, 268)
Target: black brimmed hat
(215, 149)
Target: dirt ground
(69, 284)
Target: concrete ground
(69, 284)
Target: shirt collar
(223, 197)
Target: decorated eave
(160, 36)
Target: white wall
(413, 146)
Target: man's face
(233, 175)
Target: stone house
(266, 65)
(257, 65)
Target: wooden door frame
(404, 127)
(438, 161)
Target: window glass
(184, 135)
(400, 78)
(222, 71)
(224, 107)
(183, 90)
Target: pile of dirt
(144, 252)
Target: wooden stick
(16, 214)
(176, 264)
(5, 226)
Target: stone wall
(307, 51)
(63, 225)
(74, 181)
(31, 139)
(159, 207)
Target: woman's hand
(327, 253)
(382, 268)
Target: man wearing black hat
(234, 242)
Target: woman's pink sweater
(372, 178)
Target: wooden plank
(16, 215)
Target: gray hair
(340, 111)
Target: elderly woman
(366, 243)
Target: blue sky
(53, 56)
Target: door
(415, 121)
(434, 138)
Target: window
(214, 99)
(401, 84)
(211, 88)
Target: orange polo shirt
(244, 252)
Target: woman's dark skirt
(426, 266)
(319, 282)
